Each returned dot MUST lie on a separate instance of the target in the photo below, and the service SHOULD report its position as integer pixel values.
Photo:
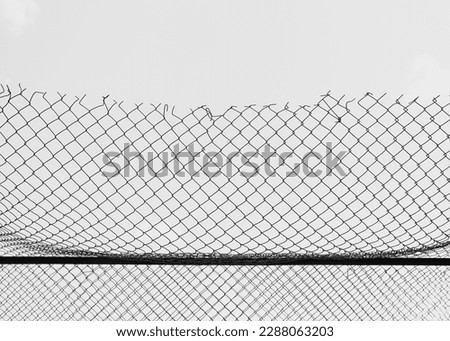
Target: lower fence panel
(191, 292)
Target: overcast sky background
(190, 53)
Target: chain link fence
(268, 185)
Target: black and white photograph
(236, 169)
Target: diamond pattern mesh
(390, 199)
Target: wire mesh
(339, 179)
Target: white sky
(219, 53)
